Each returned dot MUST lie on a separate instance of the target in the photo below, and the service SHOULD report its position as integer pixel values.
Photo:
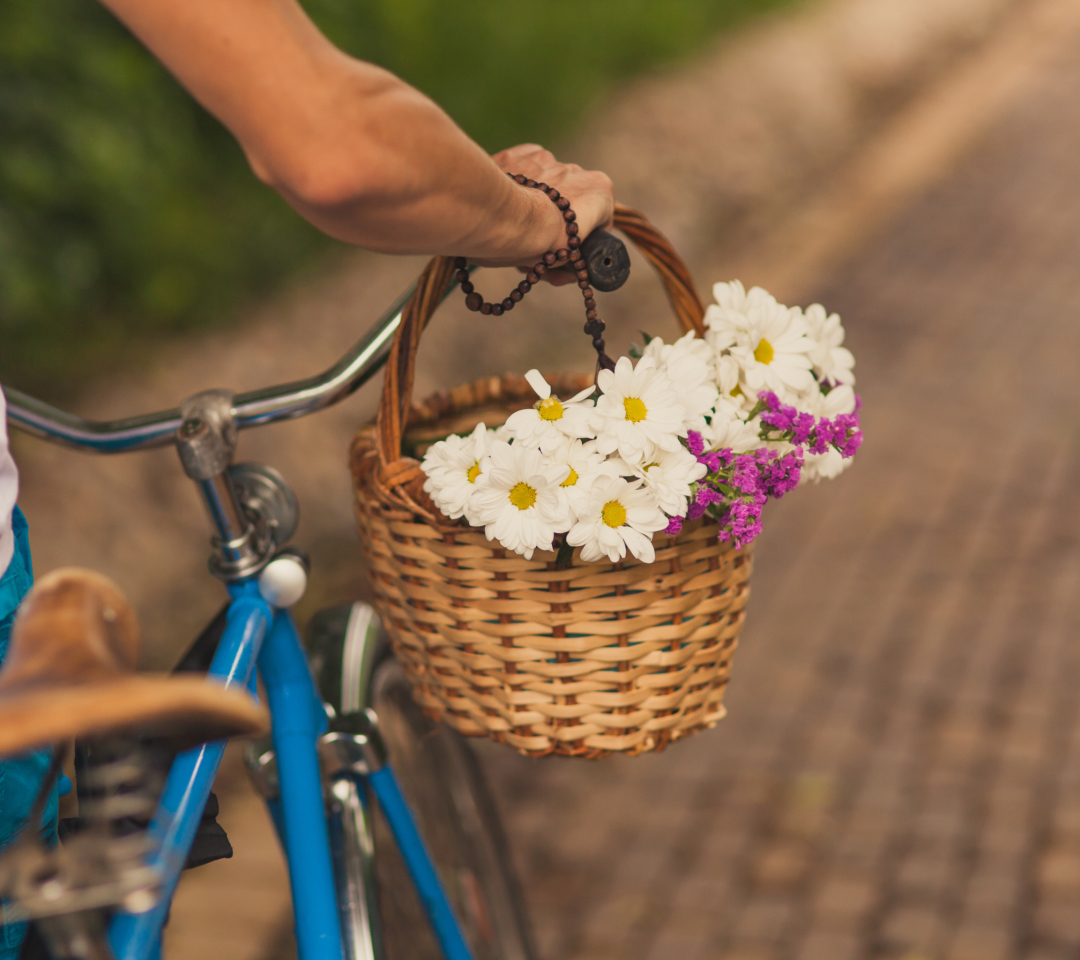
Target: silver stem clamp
(251, 508)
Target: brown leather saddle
(70, 673)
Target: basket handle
(430, 291)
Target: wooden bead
(571, 254)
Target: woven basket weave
(595, 659)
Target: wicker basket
(595, 659)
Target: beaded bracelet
(571, 254)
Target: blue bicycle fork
(257, 634)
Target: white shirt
(9, 491)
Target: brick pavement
(899, 775)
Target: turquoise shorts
(20, 778)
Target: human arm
(358, 152)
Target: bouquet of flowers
(712, 426)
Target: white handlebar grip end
(283, 581)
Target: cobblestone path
(899, 774)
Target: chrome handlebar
(252, 409)
(604, 256)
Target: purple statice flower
(713, 460)
(782, 419)
(851, 444)
(745, 477)
(696, 442)
(705, 497)
(847, 437)
(801, 428)
(822, 436)
(741, 523)
(780, 475)
(770, 399)
(674, 527)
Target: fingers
(525, 155)
(590, 192)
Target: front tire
(444, 785)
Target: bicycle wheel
(444, 784)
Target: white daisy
(517, 498)
(668, 476)
(585, 464)
(731, 400)
(838, 400)
(452, 467)
(550, 421)
(618, 516)
(773, 351)
(733, 304)
(638, 410)
(832, 361)
(690, 365)
(728, 432)
(822, 466)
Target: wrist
(528, 226)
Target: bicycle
(345, 727)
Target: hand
(590, 193)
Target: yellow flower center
(763, 352)
(570, 480)
(635, 409)
(550, 409)
(522, 496)
(613, 514)
(736, 391)
(474, 472)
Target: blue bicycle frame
(261, 641)
(259, 638)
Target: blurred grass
(127, 214)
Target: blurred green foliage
(127, 213)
